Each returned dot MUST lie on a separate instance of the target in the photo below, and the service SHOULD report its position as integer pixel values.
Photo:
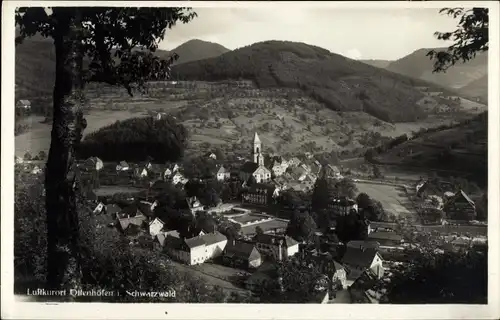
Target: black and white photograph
(250, 154)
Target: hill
(418, 65)
(340, 83)
(195, 49)
(458, 150)
(377, 63)
(35, 63)
(477, 89)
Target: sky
(361, 33)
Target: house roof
(258, 187)
(384, 235)
(213, 237)
(337, 266)
(194, 242)
(461, 192)
(145, 208)
(249, 167)
(241, 249)
(137, 220)
(123, 164)
(361, 257)
(366, 244)
(365, 281)
(222, 170)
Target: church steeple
(257, 150)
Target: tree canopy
(470, 37)
(92, 44)
(137, 139)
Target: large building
(256, 168)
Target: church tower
(257, 150)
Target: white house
(36, 170)
(23, 104)
(141, 172)
(98, 208)
(94, 163)
(212, 156)
(155, 227)
(177, 178)
(122, 166)
(167, 173)
(198, 249)
(294, 162)
(223, 174)
(19, 160)
(175, 168)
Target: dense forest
(340, 83)
(137, 139)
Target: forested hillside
(340, 83)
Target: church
(256, 168)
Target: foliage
(450, 277)
(299, 283)
(137, 139)
(470, 38)
(351, 227)
(363, 200)
(317, 72)
(345, 188)
(322, 194)
(301, 227)
(199, 167)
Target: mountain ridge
(418, 65)
(340, 83)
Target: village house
(194, 205)
(163, 237)
(362, 290)
(93, 163)
(241, 254)
(197, 250)
(294, 162)
(332, 171)
(131, 225)
(358, 260)
(23, 104)
(279, 168)
(223, 174)
(19, 160)
(178, 178)
(460, 207)
(276, 247)
(36, 170)
(211, 155)
(141, 172)
(155, 227)
(99, 208)
(259, 193)
(122, 166)
(343, 206)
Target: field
(226, 115)
(392, 198)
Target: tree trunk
(60, 179)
